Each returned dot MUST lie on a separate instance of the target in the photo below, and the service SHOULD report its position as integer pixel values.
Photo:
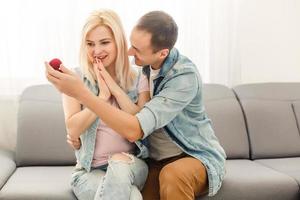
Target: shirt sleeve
(143, 85)
(175, 95)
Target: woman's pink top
(109, 142)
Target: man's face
(141, 48)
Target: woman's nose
(97, 50)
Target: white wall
(231, 41)
(36, 31)
(269, 40)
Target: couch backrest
(227, 120)
(272, 112)
(8, 121)
(41, 133)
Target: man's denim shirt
(85, 154)
(177, 107)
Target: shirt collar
(168, 63)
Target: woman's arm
(76, 120)
(127, 105)
(122, 98)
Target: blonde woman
(108, 166)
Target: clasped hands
(107, 85)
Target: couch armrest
(7, 166)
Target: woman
(108, 166)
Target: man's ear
(164, 53)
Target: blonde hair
(124, 73)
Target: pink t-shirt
(109, 142)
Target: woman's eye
(106, 42)
(89, 44)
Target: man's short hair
(162, 27)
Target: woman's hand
(75, 143)
(110, 82)
(66, 81)
(104, 93)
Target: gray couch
(257, 124)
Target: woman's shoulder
(136, 73)
(141, 81)
(136, 69)
(78, 71)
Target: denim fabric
(177, 107)
(86, 152)
(121, 180)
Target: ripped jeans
(121, 180)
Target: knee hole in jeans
(123, 157)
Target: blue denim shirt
(177, 107)
(85, 154)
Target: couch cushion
(289, 166)
(7, 166)
(227, 119)
(39, 183)
(276, 91)
(248, 180)
(41, 136)
(272, 125)
(296, 106)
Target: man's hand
(75, 143)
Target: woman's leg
(124, 172)
(85, 184)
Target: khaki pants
(181, 177)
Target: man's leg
(151, 188)
(183, 179)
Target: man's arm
(70, 84)
(123, 123)
(176, 95)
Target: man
(186, 159)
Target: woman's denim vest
(86, 152)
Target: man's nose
(131, 51)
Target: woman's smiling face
(101, 45)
